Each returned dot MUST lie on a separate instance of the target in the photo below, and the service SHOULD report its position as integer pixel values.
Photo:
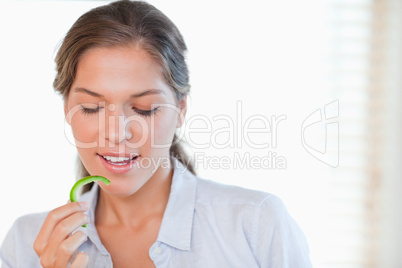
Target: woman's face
(123, 116)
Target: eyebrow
(132, 96)
(84, 90)
(147, 92)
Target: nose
(117, 130)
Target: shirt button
(158, 251)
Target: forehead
(129, 60)
(118, 69)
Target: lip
(118, 169)
(117, 154)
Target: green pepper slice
(82, 182)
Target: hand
(54, 244)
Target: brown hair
(124, 23)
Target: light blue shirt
(205, 225)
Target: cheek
(165, 127)
(85, 129)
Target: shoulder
(217, 193)
(240, 205)
(256, 209)
(27, 226)
(29, 222)
(17, 247)
(241, 208)
(275, 239)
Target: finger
(52, 219)
(63, 230)
(67, 248)
(80, 261)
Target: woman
(122, 73)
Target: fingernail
(84, 205)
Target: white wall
(269, 59)
(37, 162)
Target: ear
(67, 116)
(183, 111)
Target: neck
(148, 203)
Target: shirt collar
(92, 198)
(177, 220)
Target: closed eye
(146, 113)
(88, 111)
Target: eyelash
(88, 111)
(146, 113)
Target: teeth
(116, 159)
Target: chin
(121, 189)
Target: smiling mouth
(119, 161)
